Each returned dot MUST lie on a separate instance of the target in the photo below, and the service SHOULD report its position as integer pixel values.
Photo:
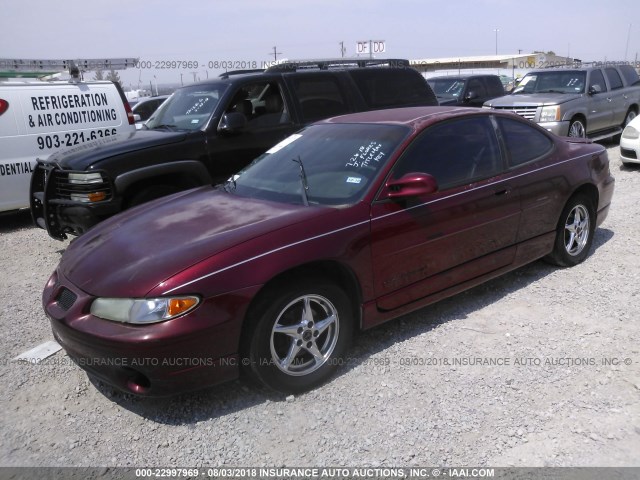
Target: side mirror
(232, 122)
(412, 185)
(136, 117)
(471, 95)
(594, 89)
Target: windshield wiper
(550, 90)
(164, 125)
(303, 181)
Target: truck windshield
(189, 108)
(552, 82)
(446, 87)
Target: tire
(290, 352)
(577, 129)
(631, 114)
(574, 233)
(151, 193)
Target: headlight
(630, 133)
(550, 114)
(85, 178)
(142, 310)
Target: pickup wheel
(577, 129)
(151, 193)
(574, 233)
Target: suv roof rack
(240, 72)
(328, 63)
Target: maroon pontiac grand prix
(349, 223)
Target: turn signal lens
(178, 306)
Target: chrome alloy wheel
(576, 230)
(304, 335)
(576, 130)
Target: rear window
(614, 78)
(320, 97)
(385, 88)
(524, 143)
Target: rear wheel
(631, 114)
(574, 233)
(303, 328)
(577, 129)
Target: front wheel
(577, 129)
(301, 334)
(574, 233)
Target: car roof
(413, 117)
(462, 77)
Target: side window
(319, 96)
(629, 74)
(524, 143)
(495, 87)
(388, 87)
(454, 153)
(476, 85)
(597, 79)
(614, 78)
(261, 103)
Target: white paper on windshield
(284, 143)
(354, 179)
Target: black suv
(466, 90)
(206, 132)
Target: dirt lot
(538, 368)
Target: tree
(113, 76)
(99, 75)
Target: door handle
(503, 191)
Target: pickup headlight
(550, 114)
(143, 310)
(630, 133)
(83, 186)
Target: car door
(617, 99)
(426, 244)
(599, 109)
(268, 120)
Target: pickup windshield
(446, 87)
(552, 82)
(188, 108)
(335, 164)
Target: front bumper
(190, 352)
(56, 212)
(559, 128)
(630, 150)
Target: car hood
(539, 99)
(83, 156)
(131, 253)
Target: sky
(244, 32)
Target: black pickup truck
(207, 131)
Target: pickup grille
(63, 188)
(527, 112)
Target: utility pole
(194, 76)
(496, 30)
(275, 54)
(342, 49)
(626, 48)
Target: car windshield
(552, 82)
(447, 87)
(336, 162)
(188, 108)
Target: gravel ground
(557, 391)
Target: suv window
(524, 143)
(629, 74)
(320, 97)
(476, 85)
(597, 79)
(455, 152)
(385, 88)
(614, 78)
(261, 103)
(494, 86)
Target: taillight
(4, 106)
(127, 108)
